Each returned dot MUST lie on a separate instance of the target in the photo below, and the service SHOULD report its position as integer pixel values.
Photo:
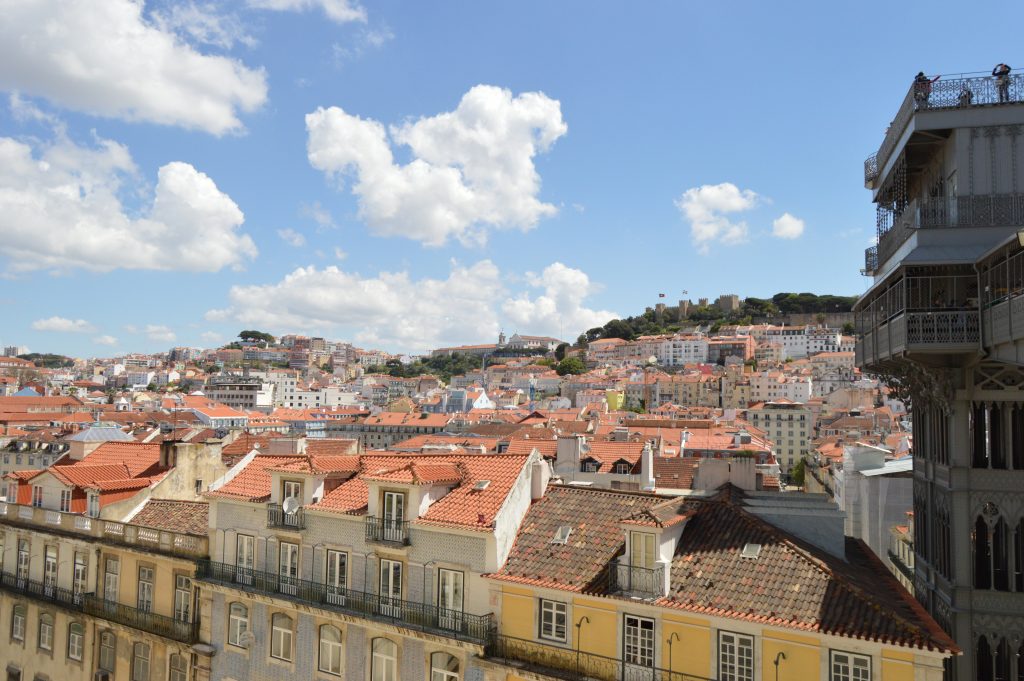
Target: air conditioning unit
(101, 675)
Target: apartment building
(943, 313)
(241, 392)
(790, 427)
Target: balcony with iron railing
(419, 616)
(277, 518)
(961, 91)
(176, 544)
(570, 664)
(143, 620)
(638, 582)
(387, 530)
(41, 591)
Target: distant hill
(752, 309)
(48, 360)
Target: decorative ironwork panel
(947, 328)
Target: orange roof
(253, 482)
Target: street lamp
(674, 636)
(579, 626)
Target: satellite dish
(652, 360)
(247, 638)
(290, 505)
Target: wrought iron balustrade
(51, 593)
(870, 169)
(420, 616)
(943, 328)
(871, 260)
(570, 664)
(638, 581)
(387, 530)
(905, 569)
(276, 517)
(161, 625)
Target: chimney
(168, 457)
(647, 483)
(540, 475)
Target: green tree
(848, 329)
(560, 351)
(570, 365)
(581, 342)
(253, 335)
(796, 474)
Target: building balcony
(870, 261)
(161, 625)
(571, 665)
(78, 525)
(419, 616)
(387, 530)
(946, 94)
(638, 582)
(48, 593)
(938, 331)
(276, 517)
(906, 570)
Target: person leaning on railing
(1002, 74)
(923, 88)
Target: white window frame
(111, 579)
(65, 501)
(182, 598)
(848, 670)
(439, 663)
(37, 496)
(106, 651)
(93, 505)
(383, 664)
(549, 626)
(144, 594)
(282, 639)
(81, 574)
(638, 641)
(330, 651)
(140, 662)
(19, 615)
(76, 641)
(237, 624)
(181, 672)
(46, 632)
(731, 665)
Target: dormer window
(590, 466)
(623, 468)
(37, 496)
(291, 489)
(642, 549)
(93, 509)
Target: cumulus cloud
(63, 325)
(787, 227)
(291, 237)
(471, 168)
(707, 208)
(394, 310)
(340, 11)
(560, 308)
(104, 57)
(160, 333)
(60, 209)
(105, 340)
(204, 24)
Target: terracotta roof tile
(188, 517)
(253, 482)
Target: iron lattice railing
(953, 328)
(51, 593)
(387, 530)
(161, 625)
(638, 581)
(871, 260)
(569, 664)
(945, 93)
(276, 517)
(420, 616)
(870, 169)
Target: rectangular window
(37, 496)
(145, 595)
(391, 587)
(449, 598)
(291, 489)
(735, 657)
(642, 549)
(23, 559)
(336, 576)
(65, 500)
(394, 514)
(50, 570)
(182, 598)
(849, 667)
(553, 620)
(46, 632)
(12, 490)
(111, 572)
(140, 662)
(81, 575)
(638, 641)
(75, 641)
(289, 567)
(93, 511)
(18, 623)
(245, 558)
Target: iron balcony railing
(50, 593)
(570, 664)
(945, 93)
(387, 530)
(419, 616)
(161, 625)
(871, 260)
(276, 517)
(638, 581)
(898, 563)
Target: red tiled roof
(188, 517)
(547, 448)
(253, 482)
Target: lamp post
(674, 636)
(579, 626)
(780, 656)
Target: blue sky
(172, 175)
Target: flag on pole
(661, 295)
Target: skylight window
(481, 485)
(751, 551)
(562, 534)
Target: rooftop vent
(751, 551)
(562, 534)
(481, 485)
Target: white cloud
(393, 310)
(204, 24)
(559, 309)
(160, 333)
(211, 337)
(105, 340)
(471, 168)
(706, 208)
(63, 325)
(291, 237)
(365, 40)
(103, 57)
(60, 209)
(318, 214)
(787, 227)
(340, 11)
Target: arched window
(982, 556)
(1002, 670)
(108, 651)
(983, 660)
(330, 649)
(18, 623)
(178, 669)
(444, 667)
(384, 661)
(46, 632)
(281, 637)
(76, 636)
(140, 662)
(1000, 557)
(238, 623)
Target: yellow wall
(517, 617)
(691, 652)
(615, 399)
(803, 655)
(600, 634)
(897, 665)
